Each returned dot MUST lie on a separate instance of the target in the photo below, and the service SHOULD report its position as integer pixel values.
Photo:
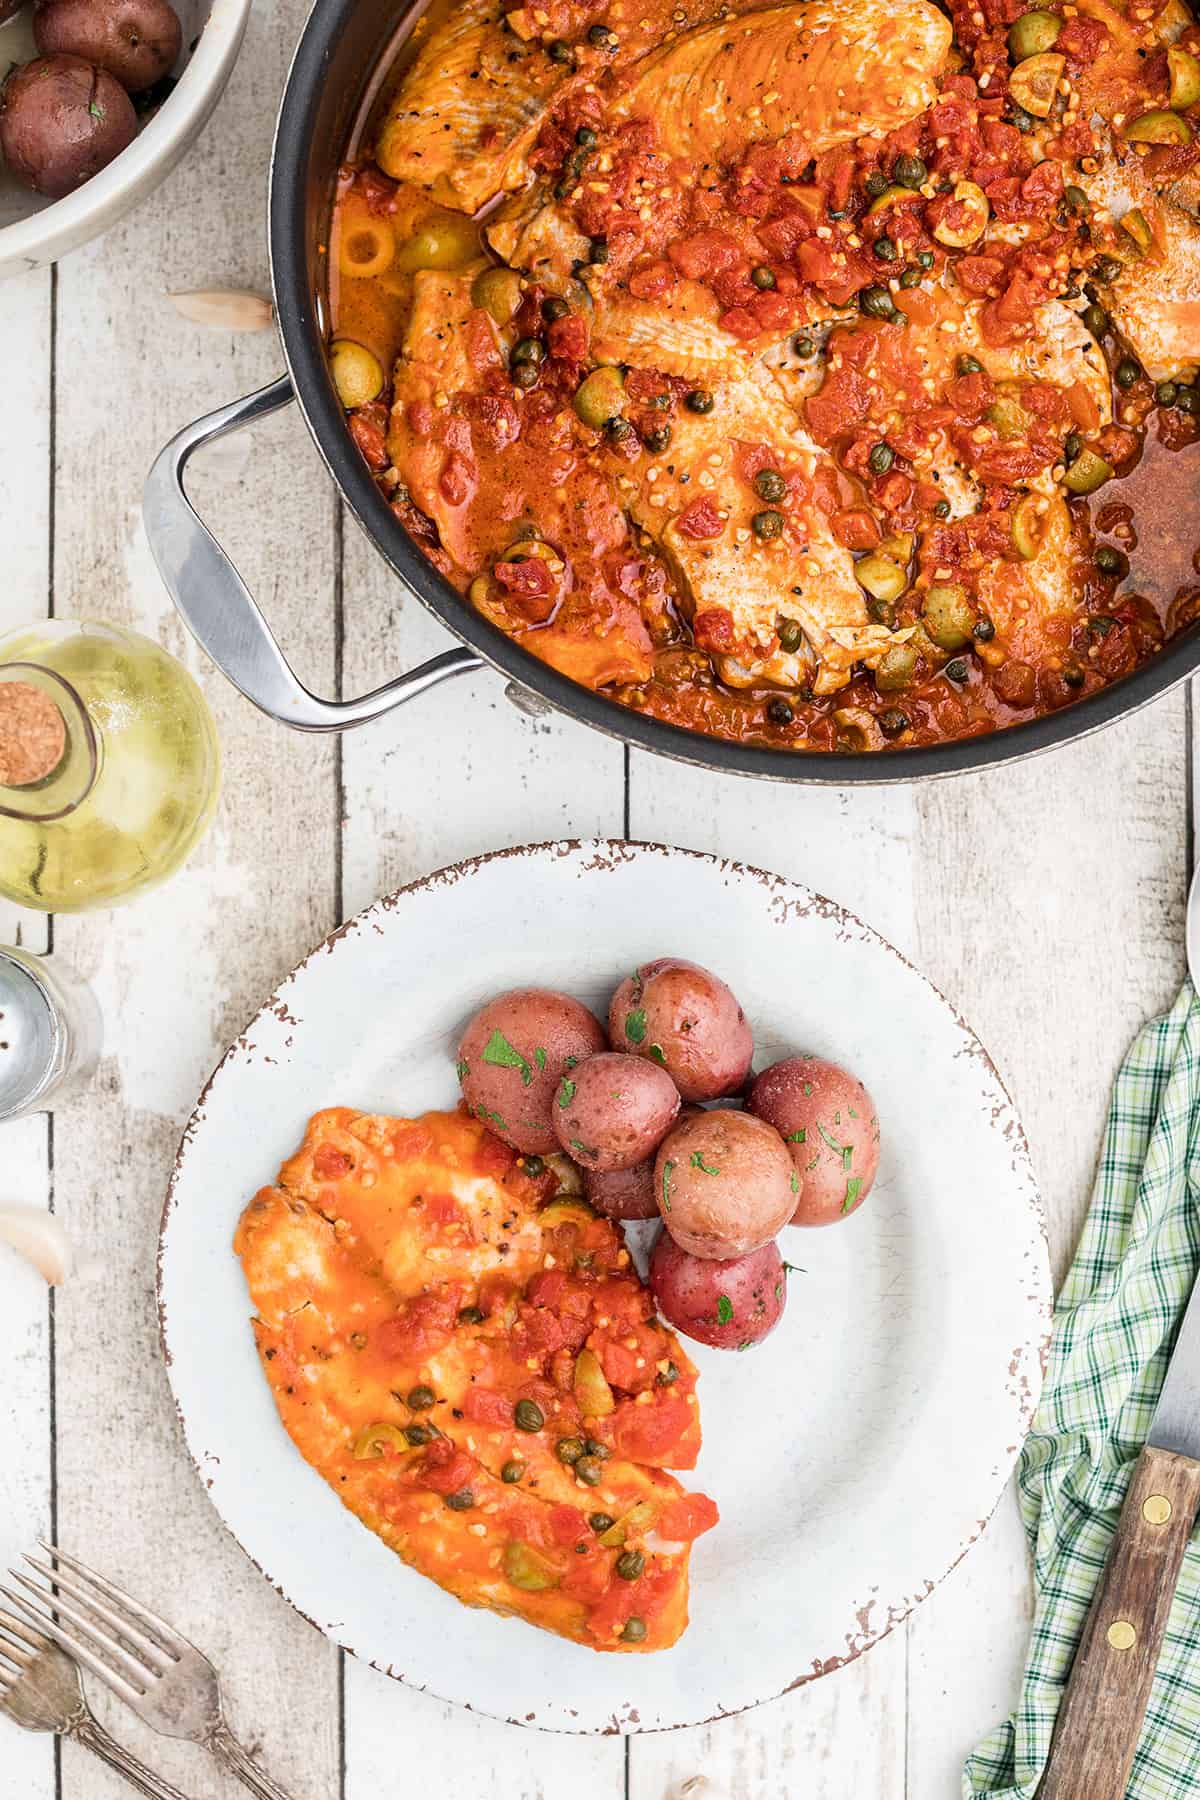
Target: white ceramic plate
(855, 1455)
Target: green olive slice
(1034, 82)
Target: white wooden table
(1046, 900)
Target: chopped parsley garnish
(666, 1376)
(635, 1026)
(698, 1162)
(724, 1309)
(539, 1057)
(796, 1137)
(503, 1055)
(566, 1093)
(779, 1288)
(462, 1069)
(795, 1182)
(840, 1149)
(666, 1186)
(481, 1112)
(569, 1062)
(808, 1087)
(853, 1189)
(577, 1144)
(658, 1055)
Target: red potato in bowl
(61, 122)
(828, 1121)
(137, 41)
(725, 1184)
(686, 1020)
(512, 1057)
(730, 1305)
(613, 1111)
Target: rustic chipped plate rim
(521, 1675)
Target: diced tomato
(544, 1288)
(979, 274)
(705, 253)
(493, 1156)
(420, 1325)
(368, 428)
(444, 1469)
(495, 1292)
(330, 1163)
(568, 338)
(1084, 411)
(536, 1333)
(495, 419)
(586, 1577)
(629, 1359)
(682, 1521)
(529, 586)
(842, 402)
(1082, 40)
(567, 1525)
(712, 629)
(649, 281)
(486, 1407)
(458, 480)
(700, 519)
(649, 1433)
(855, 527)
(442, 1209)
(838, 274)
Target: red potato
(137, 41)
(61, 122)
(828, 1121)
(730, 1305)
(686, 1020)
(613, 1111)
(512, 1057)
(725, 1184)
(628, 1193)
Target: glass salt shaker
(50, 1033)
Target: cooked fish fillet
(469, 109)
(831, 71)
(804, 573)
(1155, 301)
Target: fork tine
(18, 1628)
(79, 1651)
(152, 1653)
(140, 1678)
(172, 1642)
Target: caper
(618, 429)
(470, 1315)
(527, 350)
(884, 247)
(910, 278)
(909, 171)
(666, 1377)
(590, 1470)
(791, 634)
(554, 308)
(598, 250)
(925, 258)
(461, 1500)
(1127, 372)
(882, 611)
(1106, 268)
(633, 1631)
(1111, 562)
(778, 710)
(803, 346)
(528, 1416)
(1021, 119)
(1100, 626)
(562, 189)
(957, 669)
(1165, 393)
(1096, 319)
(699, 401)
(762, 277)
(876, 183)
(767, 524)
(876, 302)
(417, 1434)
(770, 485)
(1073, 676)
(586, 138)
(969, 365)
(1072, 445)
(569, 1449)
(512, 1471)
(1188, 400)
(893, 722)
(881, 458)
(657, 440)
(983, 629)
(602, 36)
(593, 1447)
(525, 375)
(558, 51)
(941, 509)
(1076, 199)
(630, 1564)
(421, 1398)
(601, 1522)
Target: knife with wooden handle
(1100, 1718)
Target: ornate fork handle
(230, 1753)
(84, 1730)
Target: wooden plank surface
(1046, 901)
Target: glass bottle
(109, 765)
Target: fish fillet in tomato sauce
(468, 1357)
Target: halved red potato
(725, 1184)
(686, 1020)
(828, 1121)
(513, 1055)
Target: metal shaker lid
(33, 734)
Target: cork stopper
(33, 734)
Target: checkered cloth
(1114, 1328)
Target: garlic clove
(37, 1236)
(225, 309)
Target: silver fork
(40, 1690)
(159, 1675)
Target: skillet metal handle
(219, 609)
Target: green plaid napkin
(1114, 1327)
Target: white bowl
(34, 230)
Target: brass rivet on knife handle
(1104, 1704)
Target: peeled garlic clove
(37, 1236)
(225, 309)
